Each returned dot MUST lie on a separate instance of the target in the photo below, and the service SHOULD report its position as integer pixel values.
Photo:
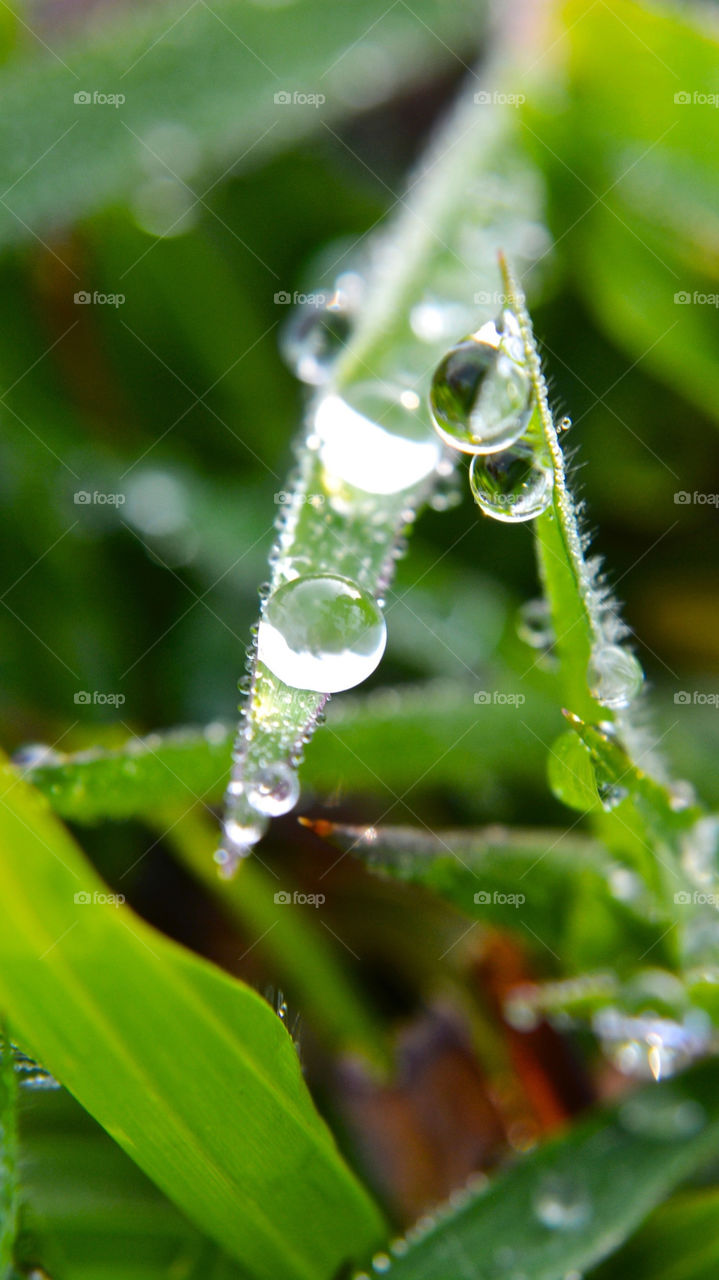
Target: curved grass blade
(350, 512)
(543, 885)
(124, 1019)
(572, 1201)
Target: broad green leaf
(380, 743)
(558, 890)
(574, 1200)
(680, 1241)
(633, 158)
(189, 1071)
(198, 85)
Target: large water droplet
(274, 790)
(481, 390)
(650, 1047)
(317, 333)
(561, 1202)
(614, 676)
(321, 632)
(375, 437)
(511, 486)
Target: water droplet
(376, 438)
(513, 485)
(156, 503)
(699, 852)
(614, 676)
(381, 1263)
(30, 1074)
(274, 790)
(165, 208)
(681, 795)
(625, 885)
(481, 390)
(650, 1047)
(534, 624)
(656, 1116)
(321, 632)
(318, 331)
(561, 1202)
(610, 793)
(36, 755)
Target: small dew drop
(699, 852)
(511, 486)
(614, 676)
(321, 632)
(481, 390)
(381, 1263)
(274, 790)
(318, 331)
(561, 1203)
(376, 438)
(36, 755)
(534, 624)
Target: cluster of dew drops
(323, 632)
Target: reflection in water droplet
(651, 1047)
(321, 632)
(614, 676)
(699, 852)
(375, 438)
(511, 486)
(561, 1202)
(534, 624)
(274, 790)
(36, 755)
(318, 331)
(481, 390)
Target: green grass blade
(545, 886)
(9, 1194)
(70, 158)
(609, 1173)
(190, 1071)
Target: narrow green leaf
(576, 1199)
(546, 886)
(125, 1019)
(678, 1242)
